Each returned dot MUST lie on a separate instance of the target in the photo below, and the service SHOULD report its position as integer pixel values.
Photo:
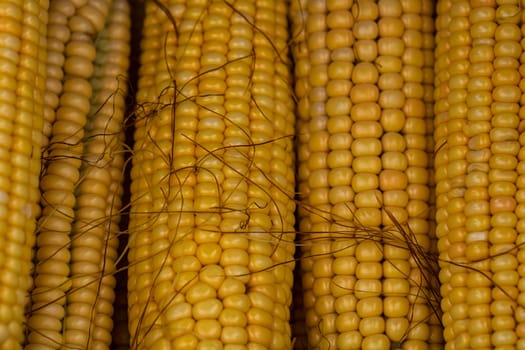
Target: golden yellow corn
(364, 86)
(212, 209)
(477, 138)
(72, 299)
(22, 77)
(409, 145)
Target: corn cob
(364, 95)
(477, 135)
(22, 58)
(212, 210)
(76, 238)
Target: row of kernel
(520, 206)
(454, 302)
(374, 100)
(397, 64)
(504, 146)
(329, 273)
(22, 91)
(443, 80)
(315, 28)
(191, 188)
(424, 325)
(476, 194)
